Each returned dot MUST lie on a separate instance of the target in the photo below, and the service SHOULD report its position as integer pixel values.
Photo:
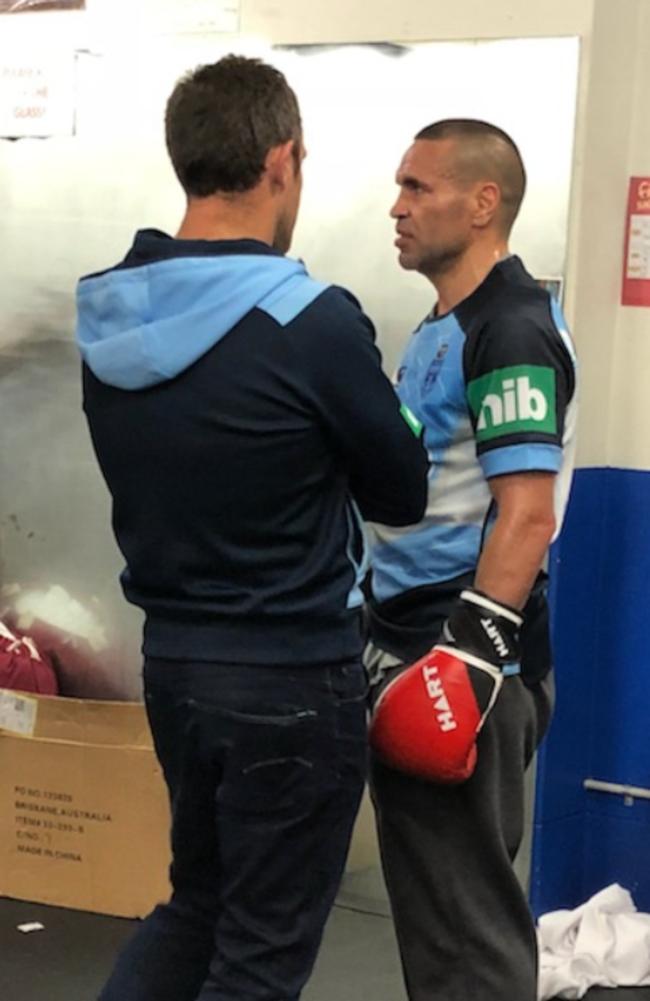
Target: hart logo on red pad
(436, 693)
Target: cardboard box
(84, 816)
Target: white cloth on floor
(604, 943)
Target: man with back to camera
(243, 426)
(490, 374)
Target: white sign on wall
(36, 94)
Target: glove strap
(469, 658)
(485, 628)
(490, 605)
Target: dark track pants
(463, 924)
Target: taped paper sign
(36, 94)
(17, 713)
(636, 261)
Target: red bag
(22, 667)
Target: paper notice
(36, 93)
(17, 713)
(638, 251)
(636, 257)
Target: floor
(70, 958)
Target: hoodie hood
(170, 301)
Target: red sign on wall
(636, 264)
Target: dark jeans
(265, 768)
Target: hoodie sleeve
(379, 440)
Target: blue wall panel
(616, 851)
(600, 599)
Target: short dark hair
(484, 150)
(221, 121)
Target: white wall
(319, 21)
(293, 22)
(628, 440)
(612, 135)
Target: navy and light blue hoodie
(243, 426)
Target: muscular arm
(515, 549)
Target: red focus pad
(425, 722)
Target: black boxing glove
(486, 628)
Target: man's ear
(280, 164)
(487, 203)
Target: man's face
(291, 203)
(433, 212)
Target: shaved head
(483, 152)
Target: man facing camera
(490, 374)
(244, 428)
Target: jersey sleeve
(519, 379)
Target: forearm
(512, 557)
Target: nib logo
(516, 401)
(511, 400)
(436, 693)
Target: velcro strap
(477, 598)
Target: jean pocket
(282, 717)
(272, 764)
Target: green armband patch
(513, 400)
(415, 425)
